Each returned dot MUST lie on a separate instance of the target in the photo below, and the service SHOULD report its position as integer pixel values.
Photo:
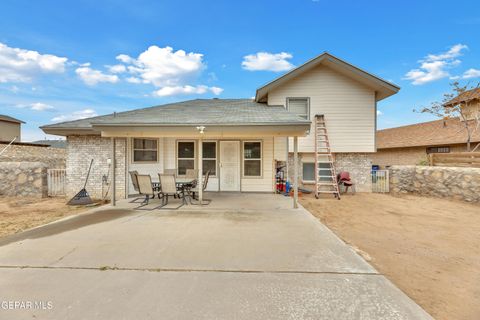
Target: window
(252, 158)
(438, 149)
(185, 156)
(299, 106)
(145, 150)
(308, 171)
(209, 158)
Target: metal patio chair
(145, 188)
(169, 188)
(195, 189)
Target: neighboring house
(410, 145)
(10, 128)
(469, 101)
(244, 140)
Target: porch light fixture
(201, 129)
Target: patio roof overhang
(211, 131)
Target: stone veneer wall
(359, 165)
(443, 182)
(54, 158)
(80, 150)
(23, 179)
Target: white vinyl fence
(56, 182)
(380, 181)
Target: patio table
(185, 184)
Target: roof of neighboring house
(9, 119)
(382, 87)
(464, 97)
(224, 112)
(61, 144)
(433, 133)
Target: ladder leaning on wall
(325, 174)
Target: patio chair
(344, 180)
(133, 177)
(145, 188)
(170, 171)
(195, 189)
(191, 174)
(169, 188)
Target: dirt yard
(430, 248)
(18, 214)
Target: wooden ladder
(325, 176)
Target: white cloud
(37, 106)
(118, 68)
(20, 65)
(379, 113)
(164, 67)
(471, 73)
(91, 76)
(186, 90)
(267, 62)
(434, 66)
(76, 115)
(133, 80)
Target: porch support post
(200, 170)
(114, 196)
(295, 172)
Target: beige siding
(348, 106)
(167, 160)
(280, 148)
(9, 130)
(266, 182)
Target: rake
(82, 197)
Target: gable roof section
(9, 119)
(433, 133)
(221, 112)
(383, 88)
(466, 96)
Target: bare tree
(449, 108)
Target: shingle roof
(439, 132)
(192, 112)
(10, 119)
(464, 97)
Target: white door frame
(238, 161)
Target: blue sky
(62, 60)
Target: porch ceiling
(191, 131)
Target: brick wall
(406, 156)
(359, 165)
(80, 150)
(54, 158)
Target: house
(10, 128)
(410, 145)
(243, 140)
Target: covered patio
(240, 147)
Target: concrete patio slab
(196, 263)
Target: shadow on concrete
(67, 225)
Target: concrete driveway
(243, 257)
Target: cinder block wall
(54, 158)
(80, 150)
(359, 165)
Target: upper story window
(299, 106)
(145, 150)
